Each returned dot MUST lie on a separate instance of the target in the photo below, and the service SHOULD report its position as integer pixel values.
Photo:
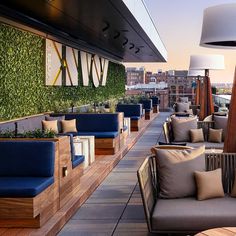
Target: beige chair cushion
(221, 123)
(215, 135)
(176, 171)
(188, 214)
(209, 184)
(50, 125)
(183, 99)
(182, 106)
(68, 126)
(189, 111)
(233, 192)
(196, 135)
(181, 128)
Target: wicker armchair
(205, 125)
(148, 181)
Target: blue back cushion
(147, 103)
(154, 100)
(27, 158)
(89, 122)
(130, 109)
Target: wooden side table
(225, 231)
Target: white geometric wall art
(95, 67)
(71, 67)
(85, 59)
(53, 63)
(96, 70)
(104, 64)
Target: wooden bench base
(29, 212)
(107, 146)
(148, 115)
(155, 109)
(135, 125)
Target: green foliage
(37, 133)
(133, 99)
(22, 79)
(7, 134)
(213, 90)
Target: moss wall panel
(22, 78)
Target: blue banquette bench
(134, 112)
(31, 123)
(29, 191)
(155, 104)
(106, 127)
(147, 105)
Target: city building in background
(135, 76)
(172, 84)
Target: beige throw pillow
(181, 128)
(50, 125)
(196, 135)
(189, 111)
(176, 171)
(215, 135)
(68, 126)
(182, 106)
(209, 184)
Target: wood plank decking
(125, 181)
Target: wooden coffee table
(225, 231)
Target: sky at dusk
(179, 23)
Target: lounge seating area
(171, 206)
(194, 133)
(110, 139)
(99, 137)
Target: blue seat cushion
(78, 159)
(100, 134)
(135, 117)
(125, 127)
(23, 186)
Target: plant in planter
(7, 134)
(112, 105)
(38, 133)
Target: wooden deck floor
(115, 207)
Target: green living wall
(22, 78)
